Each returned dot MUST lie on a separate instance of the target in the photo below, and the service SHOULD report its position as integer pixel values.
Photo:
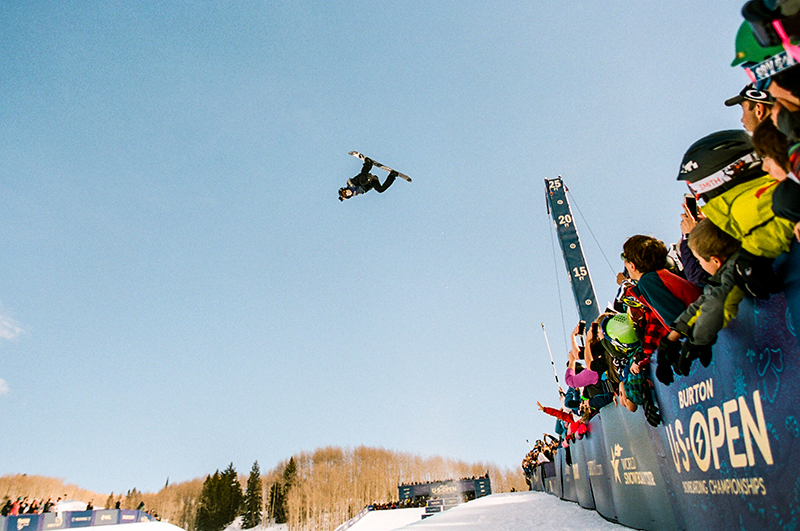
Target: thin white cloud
(3, 387)
(9, 328)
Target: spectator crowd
(24, 505)
(741, 212)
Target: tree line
(311, 490)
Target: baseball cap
(750, 93)
(749, 50)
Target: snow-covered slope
(520, 511)
(140, 526)
(388, 520)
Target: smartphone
(595, 329)
(691, 204)
(580, 339)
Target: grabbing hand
(668, 353)
(691, 352)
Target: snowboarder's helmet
(618, 330)
(748, 50)
(718, 162)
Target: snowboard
(377, 164)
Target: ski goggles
(725, 175)
(770, 26)
(761, 73)
(631, 302)
(771, 31)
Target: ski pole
(553, 363)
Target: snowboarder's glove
(691, 352)
(668, 352)
(755, 275)
(651, 413)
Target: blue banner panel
(564, 471)
(733, 428)
(594, 452)
(537, 483)
(551, 485)
(144, 517)
(128, 516)
(52, 521)
(483, 487)
(580, 476)
(787, 267)
(552, 481)
(23, 522)
(105, 517)
(637, 486)
(78, 518)
(558, 463)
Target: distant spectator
(48, 506)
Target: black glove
(651, 413)
(755, 275)
(691, 352)
(668, 353)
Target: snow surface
(142, 526)
(519, 511)
(388, 520)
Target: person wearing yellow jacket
(724, 171)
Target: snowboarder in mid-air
(365, 181)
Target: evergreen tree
(220, 501)
(279, 493)
(277, 503)
(206, 511)
(290, 474)
(253, 499)
(231, 496)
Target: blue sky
(181, 287)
